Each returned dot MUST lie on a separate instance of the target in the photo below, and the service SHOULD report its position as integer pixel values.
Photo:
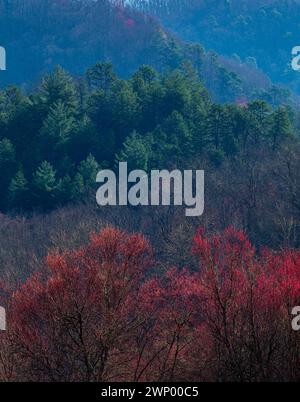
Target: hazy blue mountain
(260, 33)
(40, 34)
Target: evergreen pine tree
(136, 152)
(7, 168)
(58, 126)
(88, 170)
(101, 76)
(45, 185)
(59, 86)
(18, 190)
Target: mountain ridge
(78, 33)
(259, 32)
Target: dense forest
(260, 33)
(53, 142)
(144, 293)
(95, 314)
(38, 35)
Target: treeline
(38, 35)
(260, 33)
(53, 141)
(98, 314)
(76, 34)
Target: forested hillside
(39, 35)
(260, 33)
(144, 293)
(53, 141)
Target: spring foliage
(98, 314)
